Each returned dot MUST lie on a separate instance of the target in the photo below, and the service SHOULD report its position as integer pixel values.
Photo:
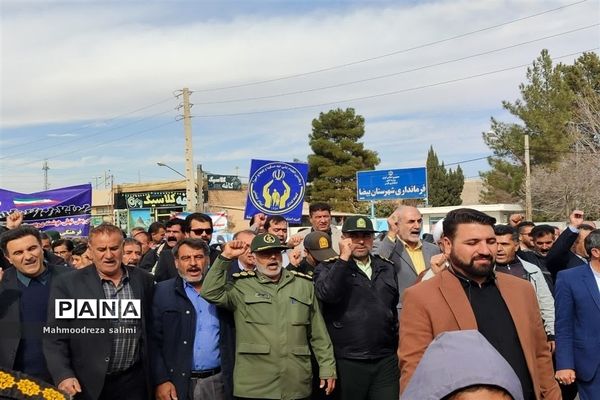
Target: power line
(382, 94)
(388, 54)
(542, 150)
(100, 132)
(377, 77)
(104, 143)
(539, 149)
(468, 161)
(86, 127)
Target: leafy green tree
(445, 186)
(337, 156)
(544, 111)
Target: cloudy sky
(90, 86)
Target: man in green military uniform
(276, 318)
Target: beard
(470, 269)
(192, 281)
(269, 271)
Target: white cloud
(88, 62)
(58, 135)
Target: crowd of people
(477, 310)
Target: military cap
(266, 241)
(358, 223)
(318, 243)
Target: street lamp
(172, 169)
(197, 185)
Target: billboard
(156, 198)
(391, 184)
(223, 182)
(276, 188)
(66, 210)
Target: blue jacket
(174, 324)
(578, 322)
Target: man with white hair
(403, 246)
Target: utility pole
(189, 154)
(199, 185)
(528, 206)
(45, 168)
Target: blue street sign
(391, 184)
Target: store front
(140, 209)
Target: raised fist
(234, 249)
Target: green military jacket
(275, 324)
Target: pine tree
(337, 156)
(444, 186)
(545, 112)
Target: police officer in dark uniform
(359, 295)
(317, 246)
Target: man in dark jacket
(317, 246)
(24, 293)
(359, 293)
(101, 357)
(160, 260)
(568, 250)
(193, 339)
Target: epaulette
(332, 259)
(385, 259)
(301, 275)
(243, 274)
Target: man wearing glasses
(195, 226)
(200, 226)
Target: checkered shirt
(124, 348)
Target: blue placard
(276, 188)
(391, 184)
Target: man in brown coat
(469, 295)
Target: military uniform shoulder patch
(301, 275)
(243, 274)
(385, 259)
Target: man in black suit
(200, 226)
(568, 250)
(99, 358)
(245, 262)
(24, 292)
(160, 260)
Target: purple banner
(66, 210)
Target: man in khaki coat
(276, 317)
(468, 295)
